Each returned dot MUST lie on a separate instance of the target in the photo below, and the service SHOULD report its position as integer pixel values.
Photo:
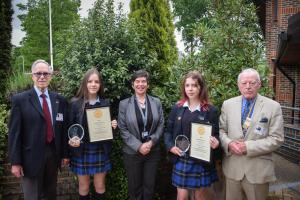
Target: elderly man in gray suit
(251, 128)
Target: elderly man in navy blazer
(38, 135)
(251, 128)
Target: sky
(18, 34)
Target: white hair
(249, 71)
(35, 63)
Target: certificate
(200, 145)
(99, 124)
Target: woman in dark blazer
(141, 124)
(90, 158)
(188, 173)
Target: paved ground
(287, 186)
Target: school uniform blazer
(27, 131)
(174, 127)
(129, 130)
(76, 117)
(264, 136)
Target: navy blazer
(174, 128)
(76, 117)
(27, 131)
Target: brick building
(280, 23)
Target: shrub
(3, 140)
(18, 82)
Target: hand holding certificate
(200, 141)
(99, 124)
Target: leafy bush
(230, 44)
(105, 40)
(3, 140)
(230, 41)
(116, 180)
(17, 82)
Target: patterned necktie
(246, 111)
(47, 115)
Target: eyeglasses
(253, 83)
(39, 74)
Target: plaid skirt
(92, 161)
(190, 174)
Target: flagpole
(50, 35)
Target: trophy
(75, 134)
(183, 143)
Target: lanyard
(144, 114)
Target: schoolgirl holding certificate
(90, 158)
(188, 173)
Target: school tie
(47, 115)
(246, 111)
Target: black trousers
(141, 174)
(43, 187)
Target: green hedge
(3, 140)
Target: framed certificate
(200, 137)
(99, 124)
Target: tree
(106, 41)
(35, 22)
(230, 42)
(154, 23)
(189, 13)
(5, 44)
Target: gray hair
(249, 71)
(35, 63)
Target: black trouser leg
(133, 165)
(86, 197)
(149, 174)
(99, 196)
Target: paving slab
(287, 185)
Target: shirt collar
(186, 105)
(94, 101)
(39, 92)
(250, 101)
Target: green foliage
(189, 13)
(154, 24)
(104, 40)
(107, 41)
(17, 60)
(171, 93)
(5, 45)
(116, 180)
(3, 140)
(18, 82)
(35, 45)
(231, 41)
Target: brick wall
(66, 187)
(276, 24)
(291, 147)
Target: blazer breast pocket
(261, 129)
